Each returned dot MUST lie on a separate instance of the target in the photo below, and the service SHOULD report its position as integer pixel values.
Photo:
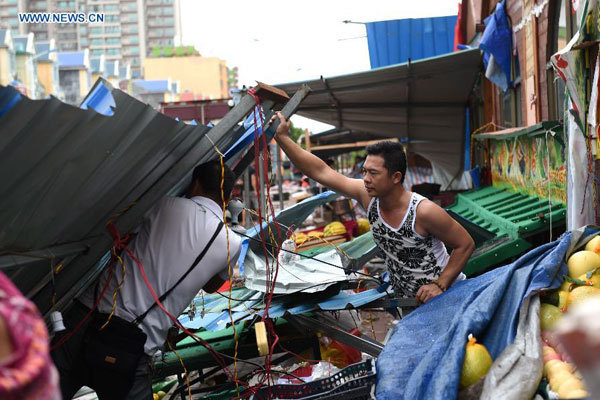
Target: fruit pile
(335, 228)
(582, 282)
(561, 374)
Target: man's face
(376, 177)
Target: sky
(283, 41)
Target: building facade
(537, 92)
(8, 60)
(47, 68)
(75, 75)
(204, 77)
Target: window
(168, 11)
(111, 18)
(562, 26)
(111, 8)
(169, 32)
(113, 52)
(96, 31)
(83, 42)
(511, 102)
(113, 29)
(83, 30)
(133, 51)
(12, 11)
(97, 42)
(112, 41)
(97, 52)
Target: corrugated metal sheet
(66, 171)
(394, 42)
(217, 316)
(422, 103)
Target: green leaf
(575, 281)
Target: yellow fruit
(549, 366)
(155, 396)
(575, 394)
(569, 386)
(594, 245)
(476, 364)
(563, 300)
(317, 234)
(363, 226)
(161, 394)
(581, 262)
(558, 380)
(581, 293)
(299, 237)
(549, 316)
(556, 368)
(547, 350)
(334, 228)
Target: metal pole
(262, 200)
(279, 175)
(247, 202)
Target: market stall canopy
(422, 103)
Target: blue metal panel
(9, 96)
(395, 41)
(100, 99)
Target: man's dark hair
(393, 156)
(209, 177)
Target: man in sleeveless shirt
(412, 231)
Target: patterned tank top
(411, 259)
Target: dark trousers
(75, 373)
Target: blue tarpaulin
(424, 356)
(496, 44)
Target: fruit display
(315, 234)
(363, 226)
(562, 376)
(581, 283)
(300, 237)
(476, 364)
(334, 229)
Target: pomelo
(476, 364)
(582, 293)
(581, 262)
(570, 386)
(575, 394)
(559, 379)
(549, 316)
(594, 245)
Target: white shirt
(170, 238)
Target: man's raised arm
(316, 169)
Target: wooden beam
(349, 145)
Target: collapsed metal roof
(66, 171)
(422, 103)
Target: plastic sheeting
(496, 42)
(424, 356)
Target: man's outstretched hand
(284, 125)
